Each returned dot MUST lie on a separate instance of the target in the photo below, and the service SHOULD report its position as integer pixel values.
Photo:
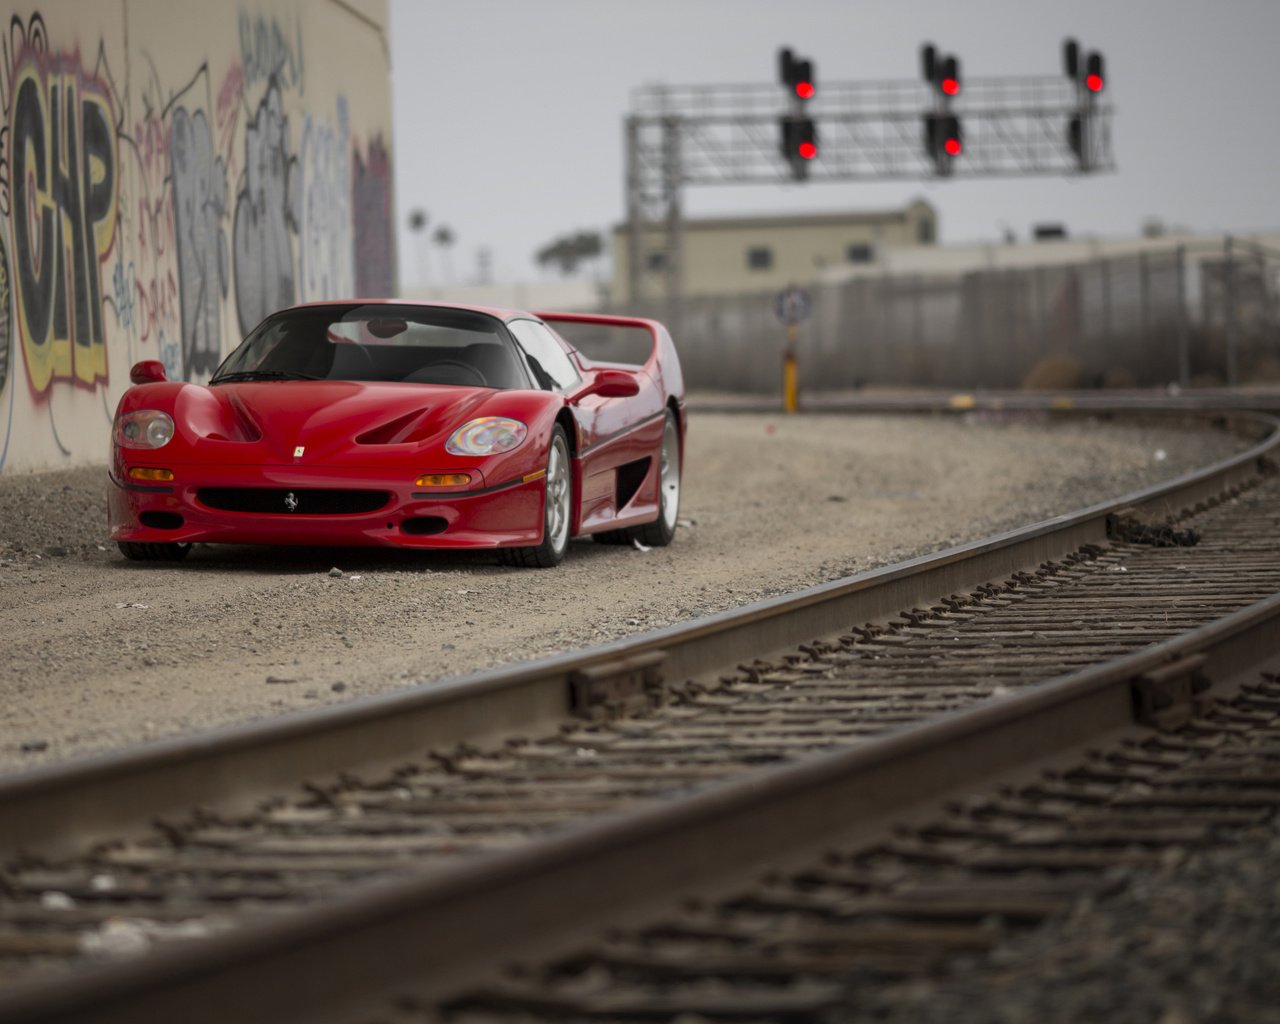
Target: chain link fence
(1195, 315)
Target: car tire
(557, 511)
(165, 551)
(662, 531)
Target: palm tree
(445, 238)
(418, 225)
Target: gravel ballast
(105, 653)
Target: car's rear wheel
(662, 530)
(163, 551)
(557, 511)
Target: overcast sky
(508, 113)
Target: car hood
(329, 422)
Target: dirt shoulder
(104, 653)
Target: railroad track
(508, 837)
(858, 926)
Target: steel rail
(59, 808)
(428, 936)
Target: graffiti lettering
(63, 160)
(122, 282)
(170, 356)
(200, 205)
(325, 249)
(156, 304)
(371, 215)
(227, 113)
(266, 212)
(5, 326)
(267, 52)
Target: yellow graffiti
(63, 221)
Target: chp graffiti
(63, 170)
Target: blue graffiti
(170, 355)
(123, 283)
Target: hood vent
(412, 426)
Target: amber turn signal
(444, 479)
(150, 473)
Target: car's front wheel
(557, 511)
(162, 551)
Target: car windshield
(414, 344)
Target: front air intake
(161, 520)
(424, 526)
(298, 502)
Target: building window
(655, 262)
(860, 252)
(924, 231)
(760, 258)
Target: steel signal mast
(941, 126)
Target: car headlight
(489, 435)
(144, 428)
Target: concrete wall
(170, 172)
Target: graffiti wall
(170, 172)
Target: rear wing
(661, 363)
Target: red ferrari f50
(405, 424)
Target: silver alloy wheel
(670, 473)
(558, 493)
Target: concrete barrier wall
(170, 172)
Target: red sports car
(405, 424)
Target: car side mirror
(149, 371)
(609, 384)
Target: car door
(612, 433)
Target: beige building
(731, 255)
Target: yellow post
(790, 386)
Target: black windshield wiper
(263, 375)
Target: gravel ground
(1196, 941)
(105, 653)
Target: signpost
(792, 307)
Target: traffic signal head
(1095, 79)
(799, 138)
(804, 86)
(799, 143)
(949, 78)
(1071, 59)
(943, 140)
(797, 75)
(1086, 70)
(942, 71)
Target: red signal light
(1093, 83)
(953, 147)
(807, 150)
(950, 87)
(805, 90)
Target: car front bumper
(509, 515)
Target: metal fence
(1192, 315)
